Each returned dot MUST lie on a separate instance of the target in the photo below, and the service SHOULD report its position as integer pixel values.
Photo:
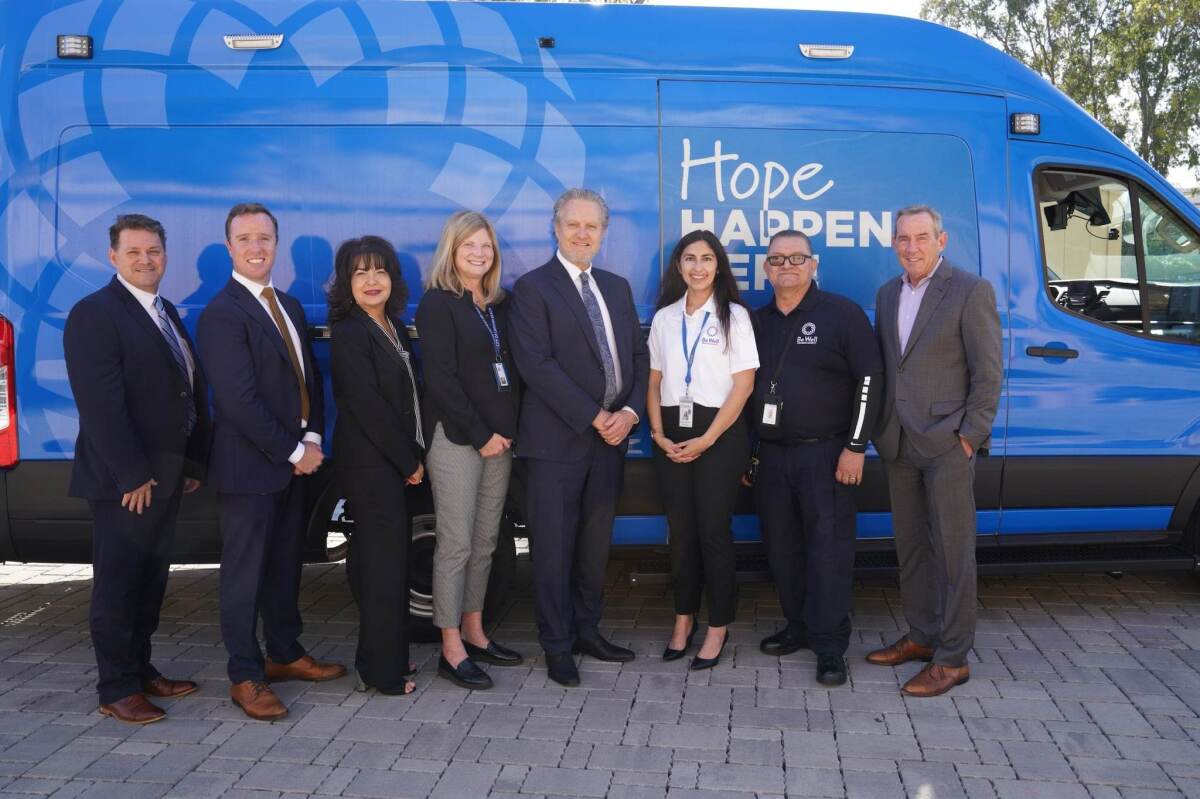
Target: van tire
(331, 528)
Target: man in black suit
(579, 348)
(269, 416)
(143, 433)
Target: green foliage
(1132, 64)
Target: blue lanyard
(690, 355)
(492, 330)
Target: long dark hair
(372, 251)
(725, 290)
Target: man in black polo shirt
(814, 404)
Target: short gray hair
(914, 210)
(791, 233)
(581, 194)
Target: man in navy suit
(143, 433)
(580, 351)
(268, 419)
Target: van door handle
(1051, 352)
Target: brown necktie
(268, 294)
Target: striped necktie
(173, 343)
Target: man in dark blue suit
(580, 351)
(143, 434)
(268, 419)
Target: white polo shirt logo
(712, 335)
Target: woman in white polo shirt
(702, 363)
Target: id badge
(501, 375)
(772, 407)
(686, 411)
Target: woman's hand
(495, 446)
(691, 449)
(666, 445)
(416, 477)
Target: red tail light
(9, 451)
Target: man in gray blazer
(940, 336)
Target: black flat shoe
(465, 675)
(493, 653)
(670, 654)
(784, 642)
(602, 650)
(561, 669)
(700, 664)
(831, 670)
(406, 688)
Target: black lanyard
(783, 356)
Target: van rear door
(835, 161)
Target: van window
(1172, 271)
(1117, 255)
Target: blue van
(356, 116)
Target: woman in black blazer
(377, 449)
(470, 422)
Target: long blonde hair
(443, 275)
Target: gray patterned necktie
(606, 358)
(175, 346)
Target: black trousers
(262, 546)
(808, 526)
(377, 570)
(699, 498)
(130, 561)
(570, 509)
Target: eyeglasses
(795, 259)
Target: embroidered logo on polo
(712, 335)
(807, 333)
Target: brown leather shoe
(936, 679)
(134, 709)
(167, 688)
(257, 700)
(303, 668)
(902, 651)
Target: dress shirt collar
(255, 289)
(145, 298)
(925, 280)
(572, 268)
(680, 306)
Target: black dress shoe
(602, 650)
(465, 675)
(831, 669)
(670, 654)
(700, 664)
(784, 642)
(493, 653)
(561, 669)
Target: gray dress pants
(933, 515)
(468, 498)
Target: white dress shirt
(910, 304)
(255, 290)
(715, 363)
(573, 272)
(146, 300)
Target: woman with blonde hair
(470, 416)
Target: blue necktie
(167, 329)
(606, 358)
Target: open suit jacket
(132, 398)
(256, 423)
(559, 360)
(947, 382)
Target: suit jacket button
(183, 395)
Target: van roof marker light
(827, 51)
(74, 46)
(250, 41)
(1025, 123)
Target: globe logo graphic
(371, 117)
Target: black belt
(793, 440)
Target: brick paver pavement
(1081, 686)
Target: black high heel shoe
(670, 654)
(700, 664)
